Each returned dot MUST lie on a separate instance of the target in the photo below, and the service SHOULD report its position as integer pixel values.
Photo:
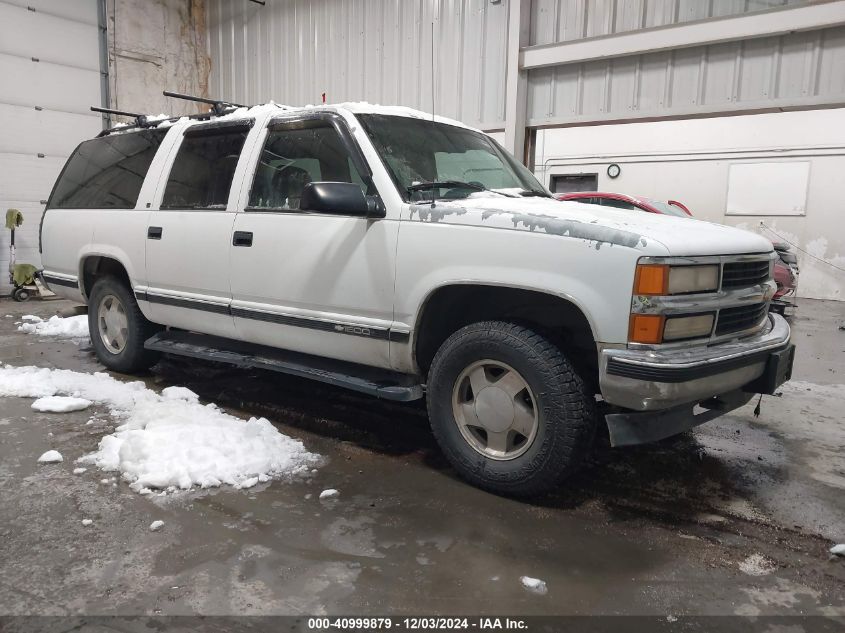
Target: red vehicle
(624, 201)
(786, 267)
(786, 277)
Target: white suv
(400, 255)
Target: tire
(125, 353)
(563, 409)
(20, 295)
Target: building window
(568, 183)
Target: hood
(603, 225)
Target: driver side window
(294, 155)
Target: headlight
(660, 279)
(653, 329)
(683, 279)
(678, 328)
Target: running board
(380, 383)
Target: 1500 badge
(353, 329)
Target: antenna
(432, 94)
(432, 70)
(217, 105)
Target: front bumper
(656, 380)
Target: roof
(361, 107)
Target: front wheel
(117, 327)
(508, 409)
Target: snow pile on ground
(757, 565)
(534, 585)
(69, 327)
(838, 550)
(60, 404)
(168, 440)
(50, 457)
(331, 493)
(156, 525)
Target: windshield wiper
(458, 184)
(530, 193)
(454, 184)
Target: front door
(189, 234)
(311, 282)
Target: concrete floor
(660, 529)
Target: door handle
(154, 233)
(242, 238)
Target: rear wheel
(508, 409)
(20, 295)
(118, 328)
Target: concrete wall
(157, 45)
(690, 161)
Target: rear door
(190, 229)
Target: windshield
(430, 160)
(667, 209)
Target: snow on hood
(633, 229)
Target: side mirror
(341, 198)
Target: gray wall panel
(363, 50)
(380, 51)
(788, 71)
(566, 20)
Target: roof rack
(218, 106)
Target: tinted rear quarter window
(202, 172)
(107, 172)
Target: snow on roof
(359, 107)
(362, 107)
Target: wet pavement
(735, 518)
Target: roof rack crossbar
(140, 119)
(217, 105)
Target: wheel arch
(95, 265)
(453, 305)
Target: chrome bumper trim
(647, 380)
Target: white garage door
(49, 77)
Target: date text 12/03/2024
(417, 623)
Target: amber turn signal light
(651, 279)
(646, 328)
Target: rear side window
(107, 172)
(202, 173)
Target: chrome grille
(740, 318)
(744, 274)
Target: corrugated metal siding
(565, 20)
(786, 71)
(363, 50)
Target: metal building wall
(567, 20)
(801, 69)
(575, 65)
(794, 70)
(363, 50)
